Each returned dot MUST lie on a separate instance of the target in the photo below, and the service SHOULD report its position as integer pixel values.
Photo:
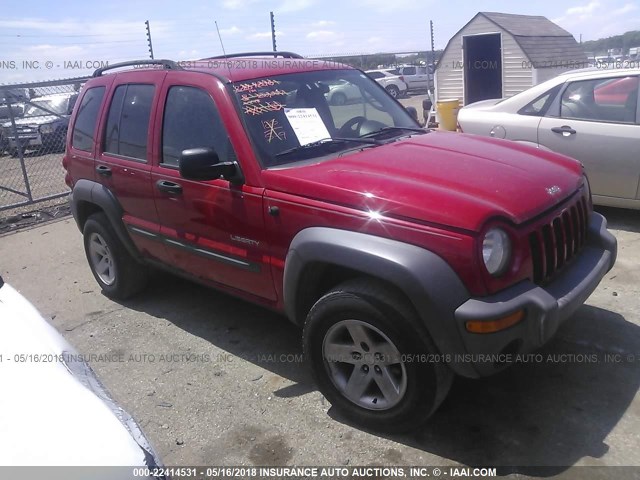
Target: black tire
(338, 99)
(393, 91)
(129, 276)
(369, 302)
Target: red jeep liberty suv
(405, 255)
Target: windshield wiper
(390, 129)
(328, 141)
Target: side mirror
(413, 112)
(204, 164)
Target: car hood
(450, 179)
(48, 416)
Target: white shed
(497, 55)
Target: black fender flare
(99, 195)
(431, 285)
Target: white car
(341, 92)
(53, 409)
(394, 84)
(592, 115)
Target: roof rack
(256, 54)
(167, 64)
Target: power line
(20, 35)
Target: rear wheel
(119, 275)
(370, 357)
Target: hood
(450, 179)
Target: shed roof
(543, 42)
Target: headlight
(496, 251)
(46, 128)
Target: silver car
(592, 115)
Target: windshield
(284, 112)
(56, 105)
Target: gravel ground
(214, 380)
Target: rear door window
(128, 121)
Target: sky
(42, 40)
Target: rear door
(123, 164)
(212, 229)
(598, 125)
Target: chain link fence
(33, 127)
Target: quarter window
(191, 120)
(85, 126)
(540, 105)
(128, 121)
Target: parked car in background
(43, 125)
(53, 408)
(341, 92)
(592, 115)
(417, 77)
(394, 84)
(13, 99)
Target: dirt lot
(214, 380)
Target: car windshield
(55, 105)
(319, 114)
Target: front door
(211, 229)
(598, 125)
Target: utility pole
(273, 31)
(433, 55)
(149, 39)
(433, 44)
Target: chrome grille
(557, 241)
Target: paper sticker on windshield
(307, 124)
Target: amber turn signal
(492, 326)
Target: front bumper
(26, 140)
(546, 308)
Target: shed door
(482, 67)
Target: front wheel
(393, 91)
(339, 99)
(372, 359)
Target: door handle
(171, 188)
(565, 130)
(103, 170)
